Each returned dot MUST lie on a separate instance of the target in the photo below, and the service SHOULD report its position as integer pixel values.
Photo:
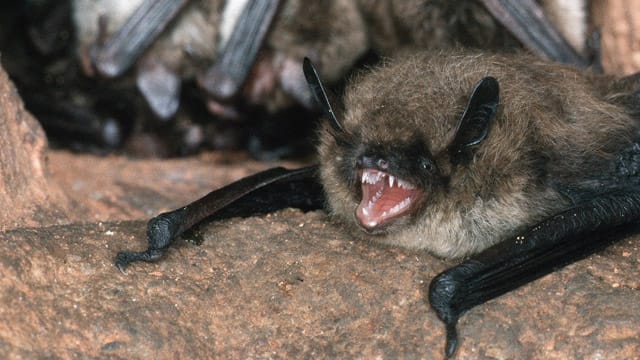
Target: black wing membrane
(267, 191)
(558, 241)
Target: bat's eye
(427, 165)
(383, 164)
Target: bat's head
(391, 154)
(425, 155)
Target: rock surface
(618, 23)
(27, 197)
(290, 285)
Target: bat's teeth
(371, 176)
(400, 206)
(367, 177)
(405, 185)
(377, 196)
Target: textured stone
(117, 188)
(289, 285)
(618, 23)
(26, 198)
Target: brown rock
(26, 199)
(117, 188)
(619, 24)
(289, 285)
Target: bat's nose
(373, 162)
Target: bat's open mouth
(384, 197)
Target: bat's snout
(384, 198)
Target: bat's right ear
(474, 125)
(317, 89)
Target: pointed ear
(474, 125)
(317, 89)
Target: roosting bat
(251, 61)
(518, 165)
(171, 40)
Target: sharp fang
(368, 177)
(371, 177)
(405, 185)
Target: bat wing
(526, 21)
(225, 78)
(263, 192)
(146, 23)
(560, 240)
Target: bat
(516, 165)
(246, 56)
(255, 54)
(115, 35)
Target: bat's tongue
(383, 197)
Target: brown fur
(432, 24)
(552, 127)
(335, 33)
(184, 46)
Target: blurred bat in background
(253, 50)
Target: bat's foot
(124, 258)
(161, 232)
(443, 297)
(452, 340)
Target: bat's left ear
(317, 89)
(474, 125)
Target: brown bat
(519, 165)
(255, 54)
(113, 35)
